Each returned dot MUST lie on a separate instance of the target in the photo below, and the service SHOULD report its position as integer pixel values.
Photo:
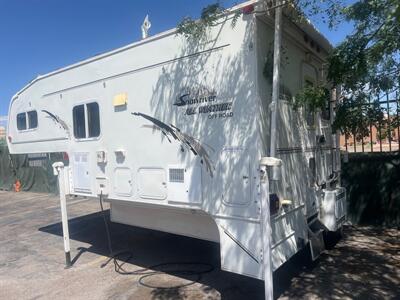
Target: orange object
(17, 186)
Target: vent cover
(177, 175)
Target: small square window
(21, 121)
(32, 119)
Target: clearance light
(248, 9)
(65, 157)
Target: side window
(21, 121)
(32, 119)
(93, 119)
(27, 120)
(86, 118)
(79, 122)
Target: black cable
(148, 272)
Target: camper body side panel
(178, 135)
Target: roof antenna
(145, 27)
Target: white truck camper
(198, 138)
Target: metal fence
(385, 137)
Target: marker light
(248, 9)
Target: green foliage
(312, 97)
(355, 116)
(367, 63)
(326, 11)
(196, 29)
(369, 58)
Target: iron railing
(385, 137)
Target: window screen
(93, 119)
(79, 122)
(32, 119)
(21, 121)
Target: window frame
(84, 121)
(86, 138)
(27, 121)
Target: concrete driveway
(363, 265)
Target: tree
(365, 65)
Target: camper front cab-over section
(175, 134)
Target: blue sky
(38, 36)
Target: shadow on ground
(363, 265)
(150, 248)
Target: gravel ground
(365, 264)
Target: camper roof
(307, 27)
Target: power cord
(145, 273)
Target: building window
(32, 119)
(86, 119)
(21, 121)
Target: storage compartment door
(123, 182)
(235, 175)
(152, 183)
(80, 171)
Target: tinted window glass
(21, 121)
(93, 119)
(79, 122)
(32, 119)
